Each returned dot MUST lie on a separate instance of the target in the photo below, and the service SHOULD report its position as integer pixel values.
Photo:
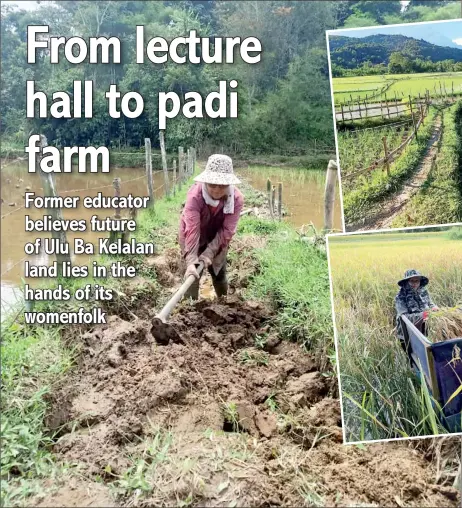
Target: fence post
(113, 234)
(413, 119)
(385, 148)
(174, 177)
(164, 162)
(329, 195)
(188, 162)
(280, 200)
(388, 109)
(268, 190)
(421, 113)
(49, 190)
(360, 114)
(180, 166)
(343, 117)
(193, 160)
(147, 144)
(273, 198)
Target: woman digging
(209, 222)
(413, 301)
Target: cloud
(458, 41)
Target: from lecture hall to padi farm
(303, 192)
(382, 397)
(391, 86)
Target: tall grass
(382, 397)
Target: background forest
(284, 101)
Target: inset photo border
(397, 108)
(397, 311)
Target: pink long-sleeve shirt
(203, 231)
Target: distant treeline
(394, 54)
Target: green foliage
(284, 101)
(358, 203)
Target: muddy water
(303, 193)
(303, 197)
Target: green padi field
(375, 87)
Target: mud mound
(167, 266)
(231, 413)
(218, 378)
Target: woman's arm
(226, 232)
(192, 230)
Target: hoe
(162, 331)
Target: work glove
(207, 261)
(435, 308)
(425, 315)
(191, 270)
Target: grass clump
(248, 357)
(32, 361)
(293, 275)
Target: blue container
(441, 364)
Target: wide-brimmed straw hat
(219, 171)
(409, 274)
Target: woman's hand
(191, 270)
(207, 261)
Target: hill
(352, 52)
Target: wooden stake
(269, 191)
(164, 162)
(280, 200)
(385, 148)
(413, 119)
(147, 144)
(174, 177)
(329, 195)
(180, 166)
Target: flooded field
(302, 197)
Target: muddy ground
(230, 415)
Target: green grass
(444, 184)
(293, 275)
(382, 398)
(33, 360)
(369, 190)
